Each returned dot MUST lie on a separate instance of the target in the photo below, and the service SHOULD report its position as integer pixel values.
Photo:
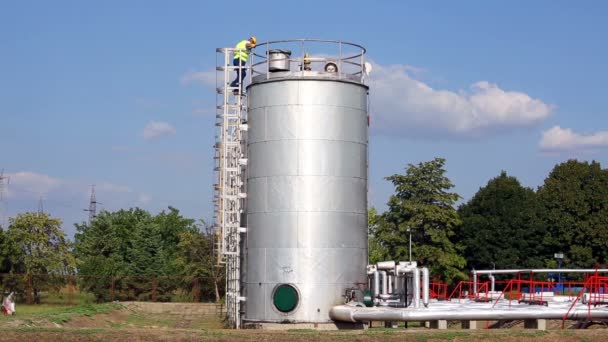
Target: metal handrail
(340, 60)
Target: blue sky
(95, 92)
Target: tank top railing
(308, 57)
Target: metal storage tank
(306, 241)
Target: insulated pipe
(416, 287)
(376, 287)
(346, 313)
(474, 272)
(384, 282)
(527, 270)
(492, 282)
(425, 286)
(390, 283)
(386, 265)
(396, 284)
(541, 270)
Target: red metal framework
(594, 292)
(438, 290)
(465, 289)
(514, 291)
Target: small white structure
(8, 305)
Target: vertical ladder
(229, 189)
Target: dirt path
(66, 334)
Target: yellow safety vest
(241, 51)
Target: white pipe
(425, 286)
(346, 313)
(384, 282)
(416, 287)
(390, 283)
(474, 272)
(492, 282)
(396, 284)
(542, 270)
(385, 265)
(376, 287)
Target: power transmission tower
(3, 178)
(40, 206)
(92, 205)
(2, 185)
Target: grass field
(115, 322)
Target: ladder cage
(229, 175)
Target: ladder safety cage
(229, 174)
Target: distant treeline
(133, 255)
(123, 255)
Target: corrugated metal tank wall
(307, 195)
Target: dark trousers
(240, 72)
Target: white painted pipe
(425, 286)
(347, 313)
(492, 282)
(386, 265)
(474, 272)
(384, 282)
(541, 270)
(376, 287)
(416, 287)
(390, 283)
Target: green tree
(376, 251)
(37, 247)
(4, 255)
(198, 263)
(102, 250)
(502, 227)
(574, 198)
(424, 206)
(133, 250)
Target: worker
(306, 64)
(241, 53)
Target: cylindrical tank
(306, 196)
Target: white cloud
(31, 183)
(157, 129)
(562, 139)
(404, 105)
(112, 188)
(206, 78)
(143, 199)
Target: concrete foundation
(439, 324)
(315, 326)
(393, 325)
(538, 324)
(471, 325)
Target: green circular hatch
(285, 298)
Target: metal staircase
(229, 172)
